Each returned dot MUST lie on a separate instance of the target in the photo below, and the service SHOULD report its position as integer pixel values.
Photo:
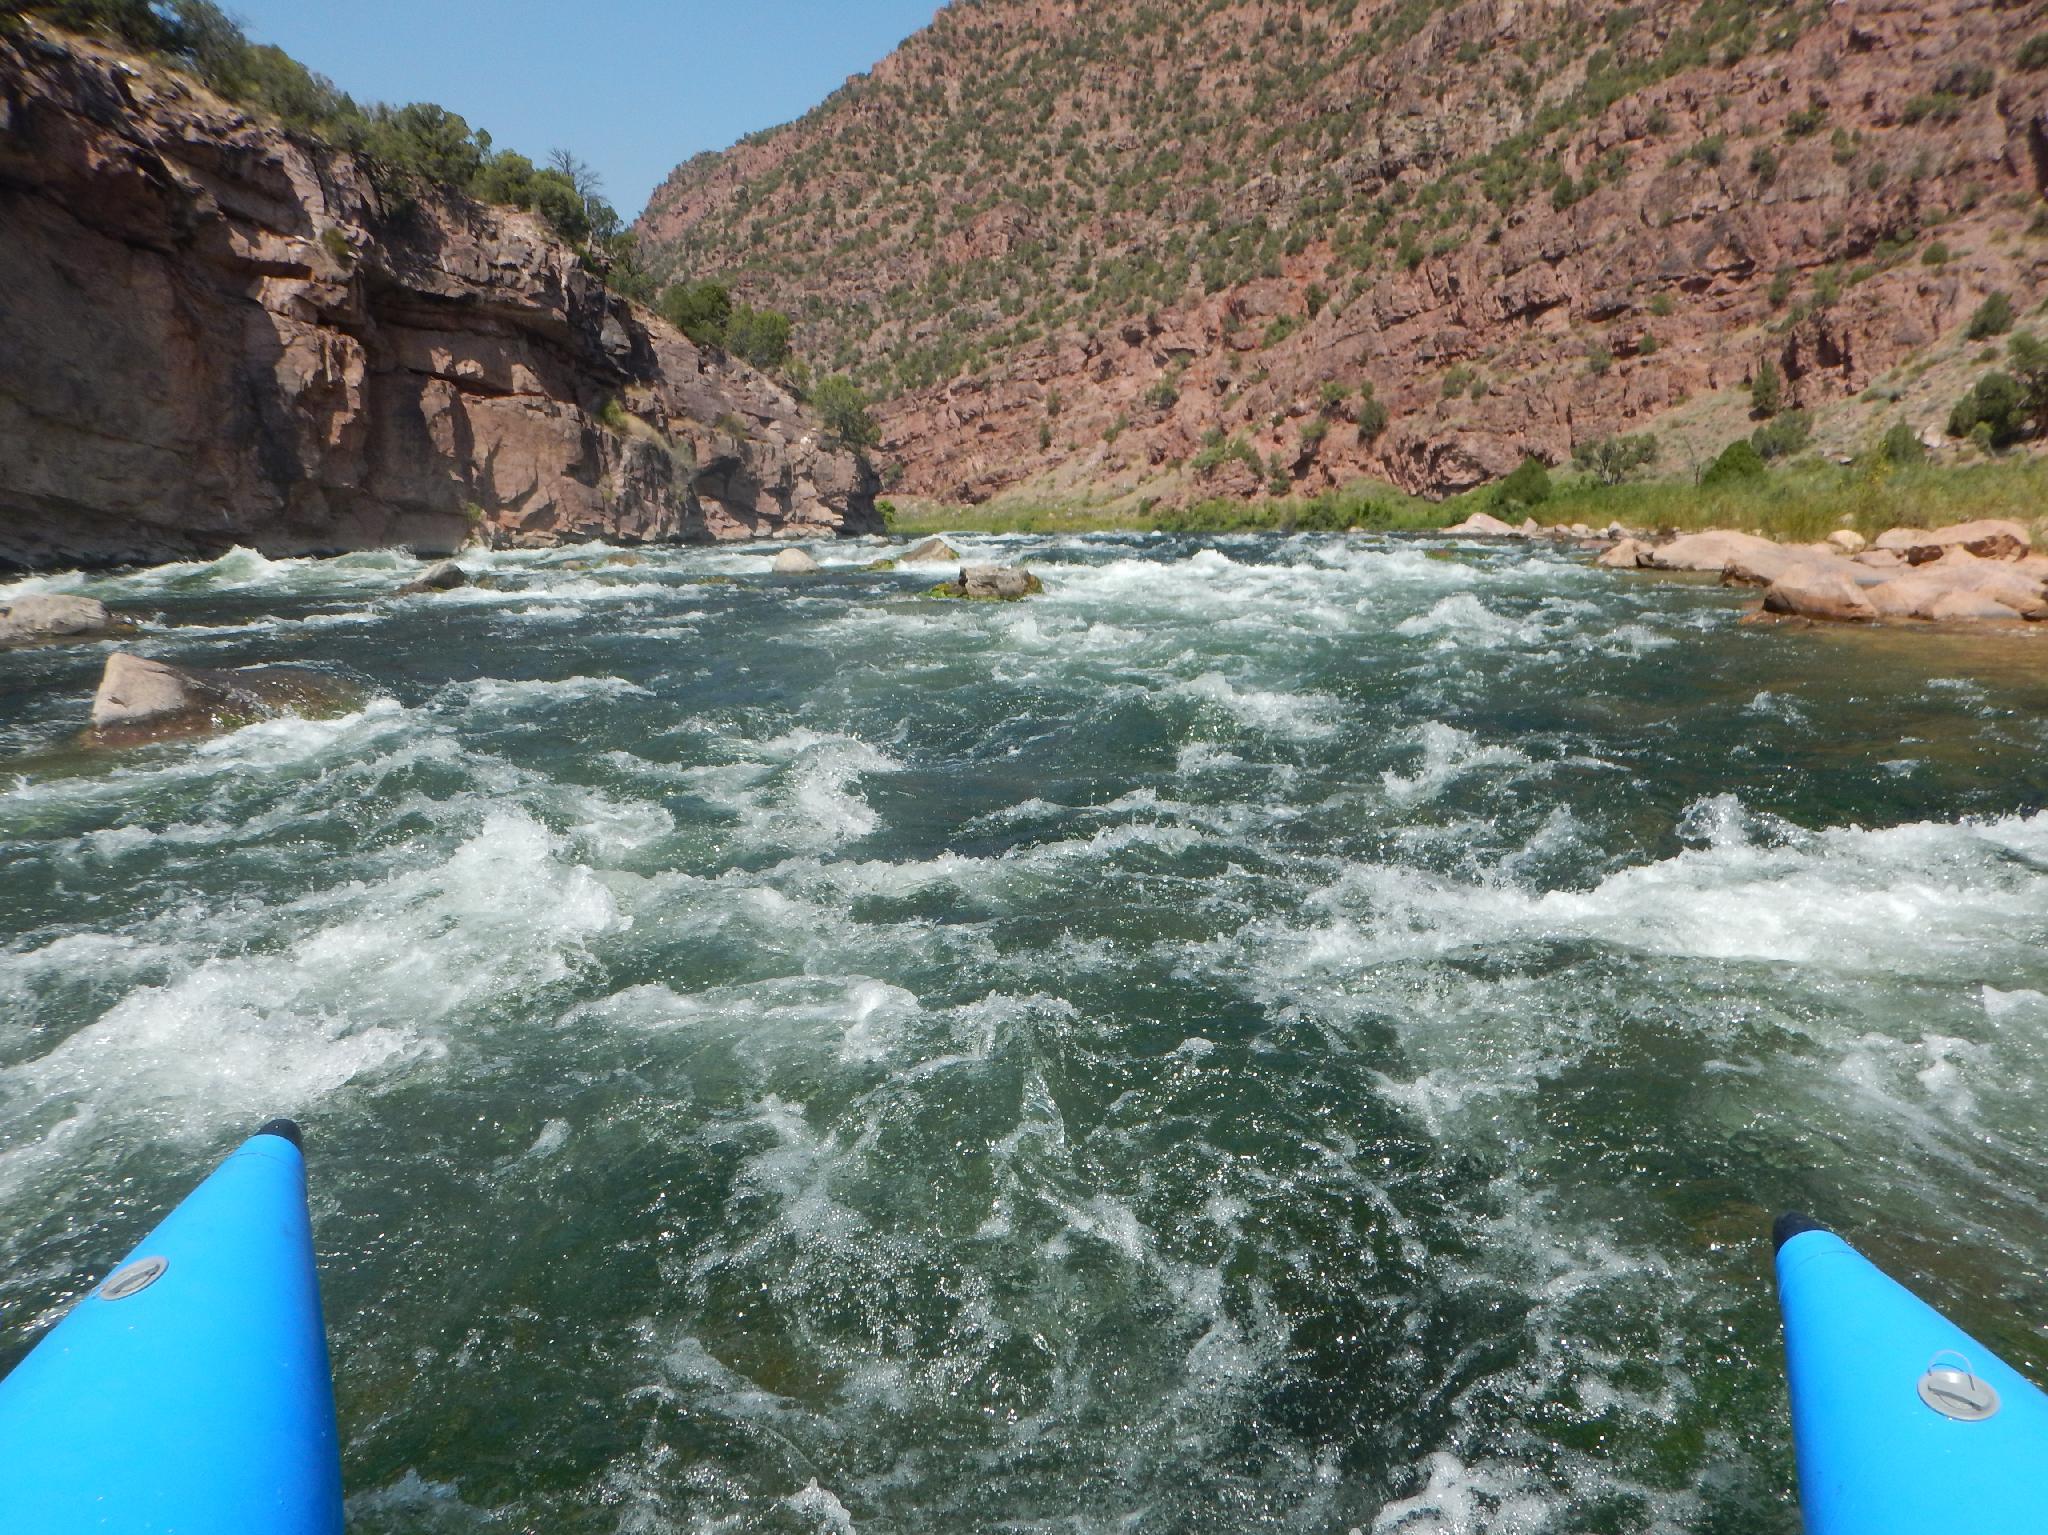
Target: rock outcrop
(217, 332)
(932, 550)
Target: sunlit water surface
(1293, 1034)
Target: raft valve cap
(1954, 1391)
(134, 1278)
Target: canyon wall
(215, 332)
(1159, 249)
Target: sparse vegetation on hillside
(995, 218)
(1250, 191)
(406, 147)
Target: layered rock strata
(217, 332)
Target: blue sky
(632, 86)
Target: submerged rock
(54, 616)
(444, 577)
(990, 583)
(935, 550)
(794, 562)
(144, 700)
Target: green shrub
(1993, 317)
(1371, 414)
(1599, 357)
(1613, 459)
(1217, 450)
(1808, 119)
(761, 336)
(843, 406)
(2033, 53)
(1935, 254)
(1528, 485)
(1738, 461)
(1663, 305)
(1781, 286)
(1766, 390)
(1901, 446)
(699, 310)
(1994, 411)
(1782, 436)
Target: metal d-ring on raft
(1902, 1422)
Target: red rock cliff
(1067, 242)
(213, 332)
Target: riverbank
(1802, 503)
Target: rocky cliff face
(213, 332)
(1067, 243)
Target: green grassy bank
(1804, 501)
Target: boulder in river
(143, 700)
(1626, 554)
(991, 583)
(443, 577)
(932, 549)
(1812, 591)
(1482, 525)
(794, 562)
(54, 616)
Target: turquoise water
(1297, 1034)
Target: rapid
(1293, 1033)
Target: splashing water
(1301, 1034)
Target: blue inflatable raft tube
(189, 1393)
(1903, 1423)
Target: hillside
(220, 330)
(1160, 249)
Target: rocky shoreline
(1977, 572)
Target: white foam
(1448, 754)
(370, 985)
(1299, 717)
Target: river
(1275, 1034)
